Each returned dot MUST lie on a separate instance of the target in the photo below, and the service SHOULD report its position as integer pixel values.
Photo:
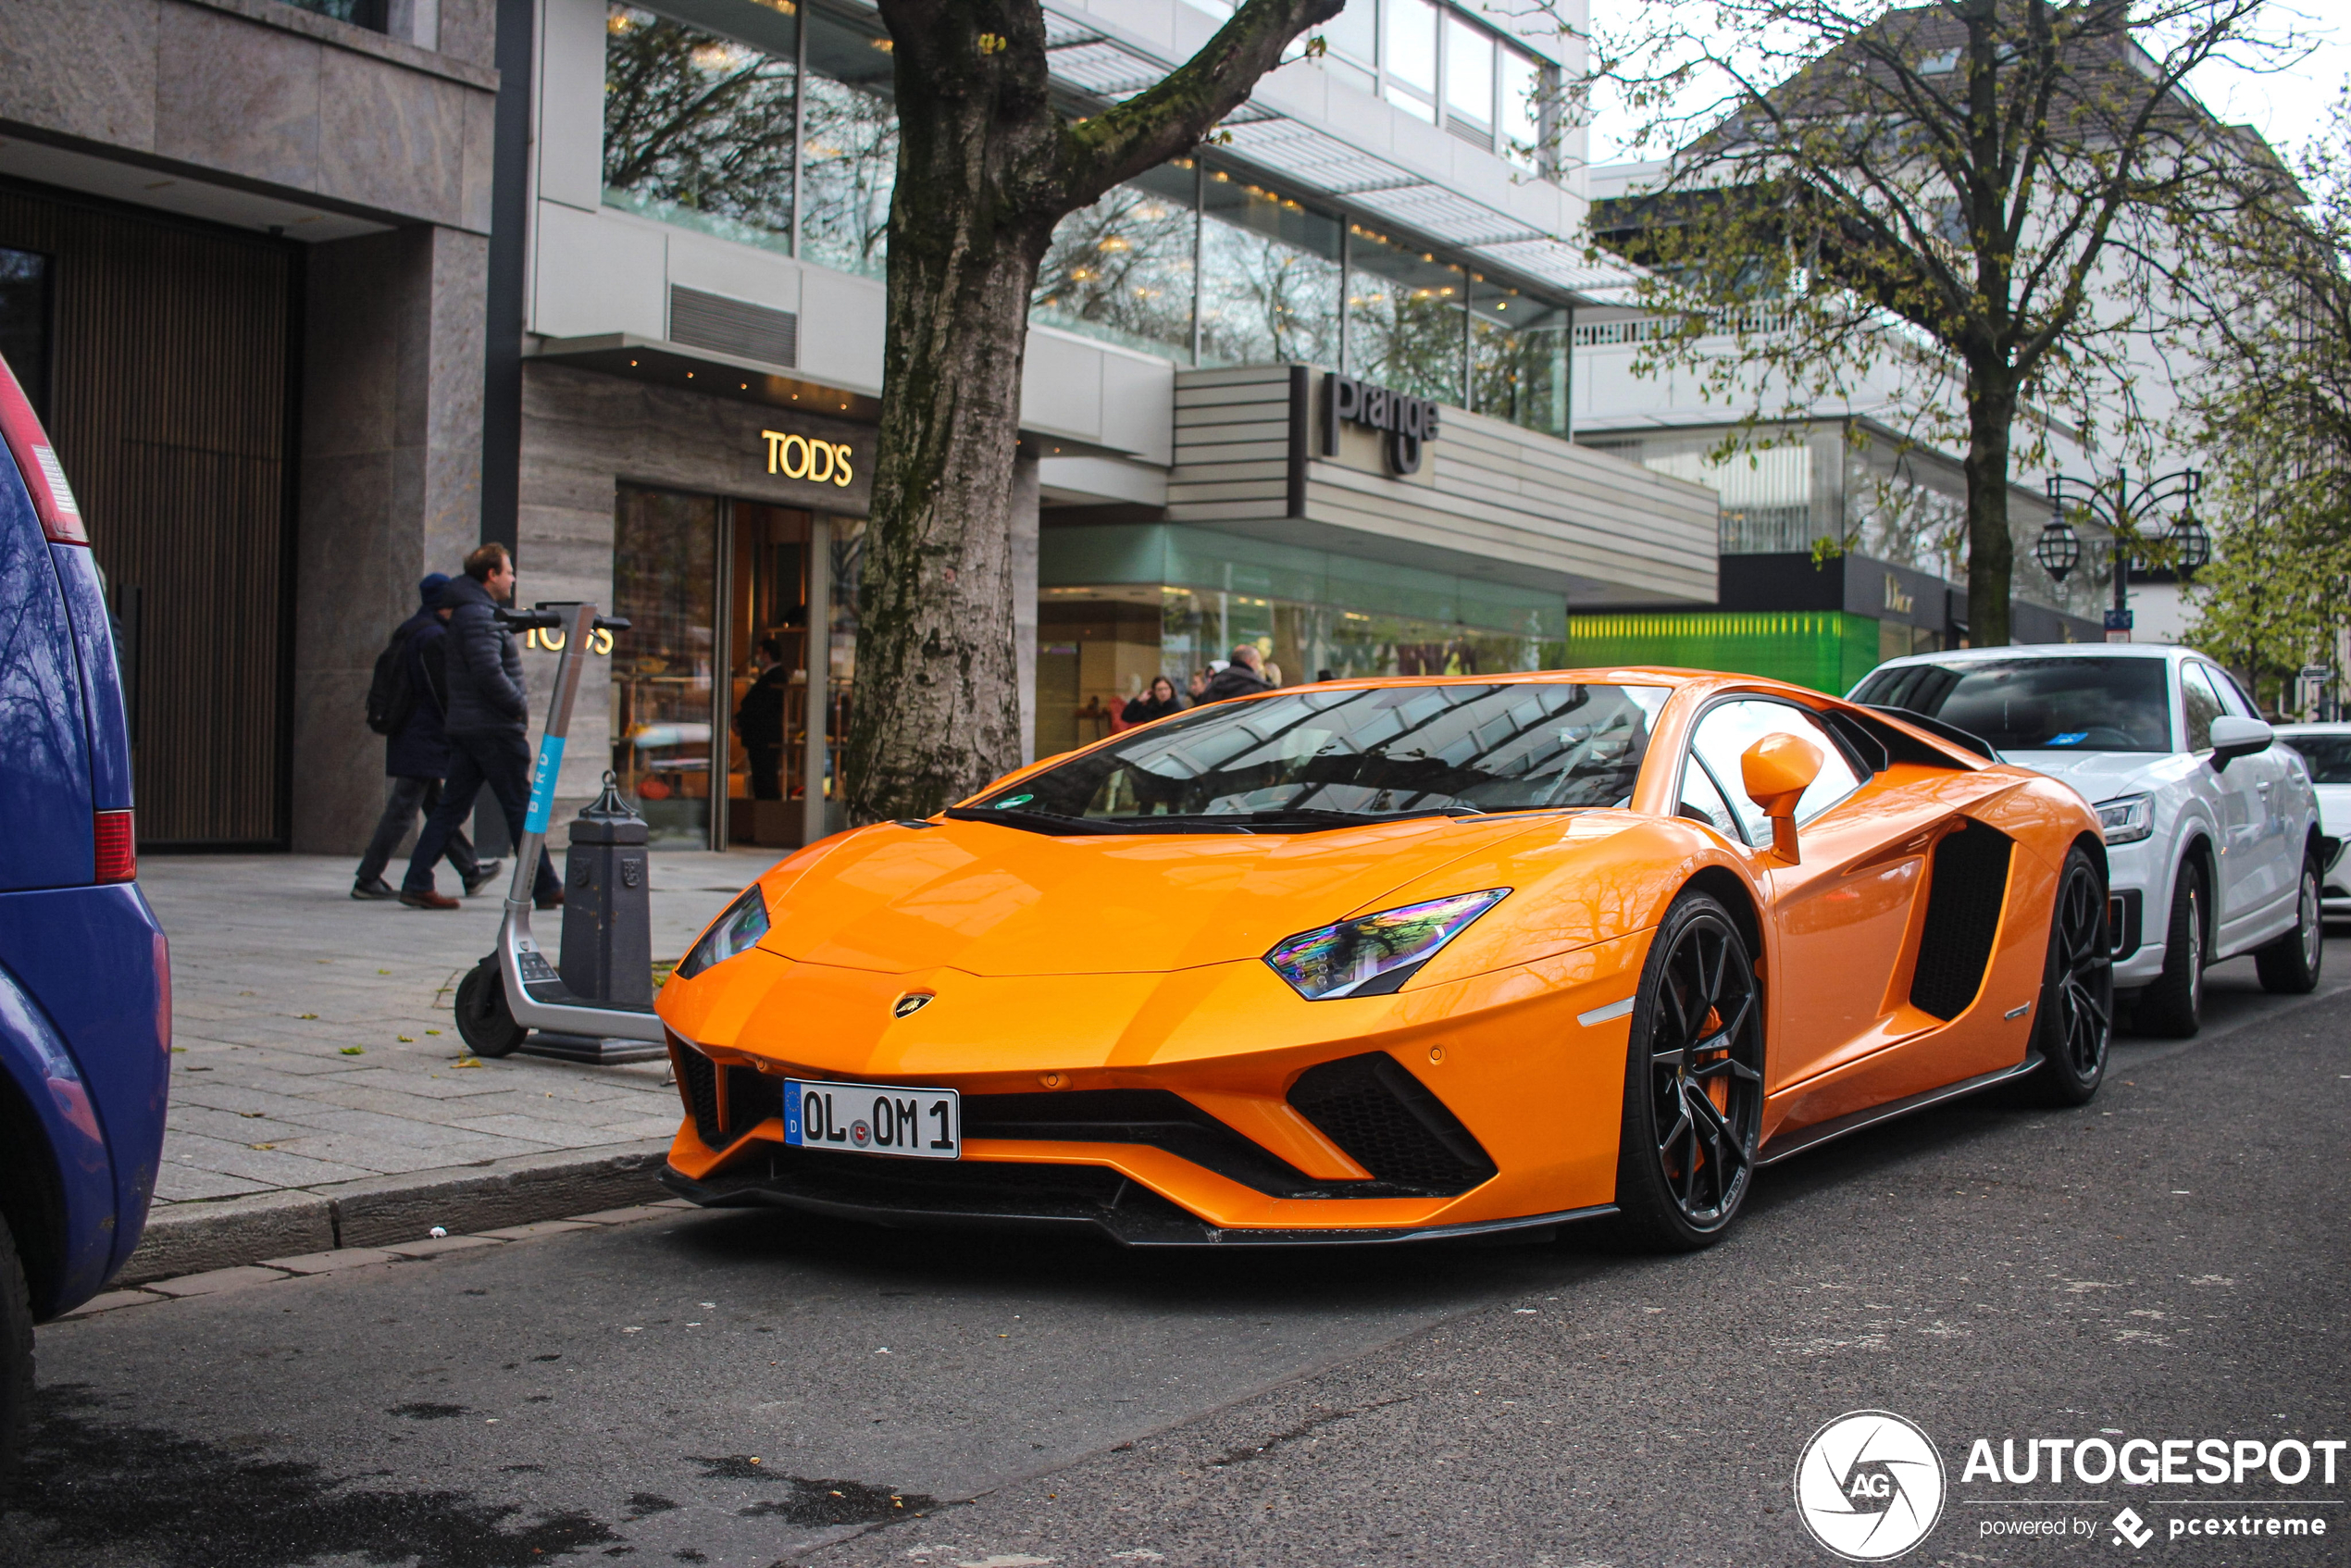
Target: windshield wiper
(1055, 823)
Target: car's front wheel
(2289, 967)
(1693, 1082)
(16, 1359)
(2174, 1004)
(2074, 1019)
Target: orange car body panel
(1135, 962)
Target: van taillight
(118, 848)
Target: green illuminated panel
(1828, 650)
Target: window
(1701, 801)
(2200, 704)
(1726, 732)
(1524, 108)
(1469, 73)
(1411, 56)
(1269, 277)
(1404, 326)
(1121, 268)
(24, 323)
(2089, 704)
(698, 129)
(849, 162)
(1518, 357)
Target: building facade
(1386, 225)
(317, 295)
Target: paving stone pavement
(313, 1039)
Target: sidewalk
(316, 1059)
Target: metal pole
(820, 676)
(551, 756)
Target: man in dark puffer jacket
(487, 717)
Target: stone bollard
(609, 931)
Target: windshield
(2086, 704)
(2329, 756)
(1316, 757)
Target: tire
(1692, 1083)
(15, 1361)
(2173, 1005)
(483, 1021)
(2074, 1021)
(2289, 967)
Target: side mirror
(2234, 738)
(1776, 771)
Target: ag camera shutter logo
(1869, 1486)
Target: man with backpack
(407, 699)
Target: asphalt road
(2169, 1264)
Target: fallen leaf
(383, 971)
(467, 1061)
(262, 1146)
(432, 1031)
(406, 1040)
(354, 1051)
(306, 1016)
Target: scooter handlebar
(612, 623)
(525, 620)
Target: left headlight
(742, 924)
(2127, 819)
(1374, 954)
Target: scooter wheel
(484, 1020)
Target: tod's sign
(1407, 422)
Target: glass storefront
(665, 575)
(1193, 260)
(1118, 606)
(675, 724)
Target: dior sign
(1408, 422)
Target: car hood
(999, 900)
(2100, 776)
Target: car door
(2286, 805)
(2245, 889)
(1843, 913)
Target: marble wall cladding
(84, 67)
(389, 490)
(298, 102)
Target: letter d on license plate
(924, 1124)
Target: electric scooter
(515, 989)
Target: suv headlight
(744, 922)
(2126, 818)
(1374, 954)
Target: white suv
(2213, 842)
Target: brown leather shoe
(428, 899)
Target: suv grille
(1391, 1124)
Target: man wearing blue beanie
(406, 702)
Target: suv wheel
(2174, 1005)
(2289, 967)
(16, 1359)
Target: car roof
(2330, 727)
(2046, 651)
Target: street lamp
(2187, 541)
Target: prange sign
(1408, 422)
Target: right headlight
(735, 931)
(2126, 818)
(1374, 954)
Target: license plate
(923, 1124)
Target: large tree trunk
(986, 168)
(937, 711)
(1991, 554)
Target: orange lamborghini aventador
(1382, 960)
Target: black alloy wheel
(2076, 1022)
(2173, 1003)
(2289, 967)
(484, 1022)
(1692, 1083)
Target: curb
(200, 1238)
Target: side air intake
(749, 1097)
(1391, 1124)
(1970, 882)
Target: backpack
(390, 696)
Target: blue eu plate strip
(542, 784)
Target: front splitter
(1121, 1210)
